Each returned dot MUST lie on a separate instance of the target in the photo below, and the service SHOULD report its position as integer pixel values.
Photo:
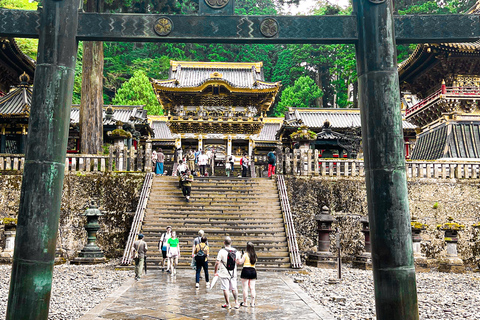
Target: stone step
(188, 237)
(211, 194)
(279, 231)
(190, 208)
(262, 261)
(213, 253)
(172, 220)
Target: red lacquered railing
(447, 91)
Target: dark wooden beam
(245, 29)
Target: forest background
(319, 76)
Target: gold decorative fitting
(216, 75)
(24, 78)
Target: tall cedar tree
(91, 104)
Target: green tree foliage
(302, 94)
(138, 91)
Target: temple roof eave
(161, 86)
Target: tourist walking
(226, 270)
(228, 168)
(202, 252)
(231, 160)
(187, 179)
(173, 252)
(139, 252)
(163, 247)
(159, 162)
(272, 162)
(197, 241)
(181, 168)
(191, 160)
(202, 162)
(244, 162)
(154, 159)
(249, 274)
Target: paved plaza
(158, 295)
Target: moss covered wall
(431, 201)
(115, 193)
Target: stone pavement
(158, 295)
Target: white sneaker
(207, 285)
(197, 285)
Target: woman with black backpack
(201, 259)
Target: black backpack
(231, 260)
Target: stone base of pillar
(363, 261)
(79, 260)
(451, 265)
(324, 260)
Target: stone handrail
(296, 261)
(137, 219)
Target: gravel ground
(75, 289)
(440, 295)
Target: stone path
(158, 295)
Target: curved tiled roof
(16, 103)
(136, 114)
(185, 74)
(338, 118)
(268, 132)
(161, 130)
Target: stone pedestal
(9, 244)
(325, 260)
(364, 260)
(452, 263)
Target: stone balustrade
(300, 162)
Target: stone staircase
(242, 208)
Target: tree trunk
(355, 94)
(318, 81)
(91, 105)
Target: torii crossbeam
(373, 29)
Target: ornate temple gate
(373, 29)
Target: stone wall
(431, 202)
(115, 193)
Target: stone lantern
(10, 225)
(452, 263)
(91, 253)
(323, 258)
(303, 137)
(421, 263)
(364, 260)
(475, 245)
